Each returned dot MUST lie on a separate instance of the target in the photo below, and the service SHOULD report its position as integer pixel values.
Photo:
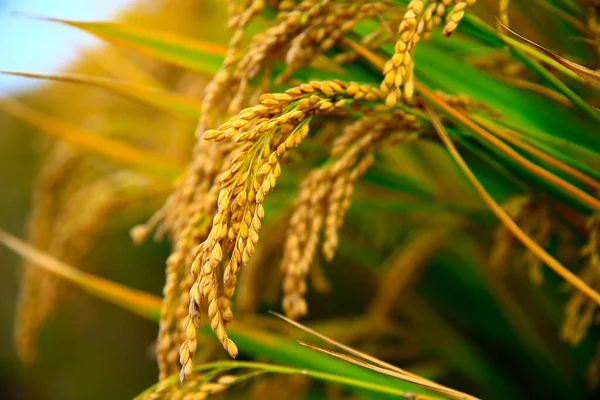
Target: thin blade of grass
(556, 266)
(586, 158)
(556, 83)
(340, 345)
(564, 15)
(136, 301)
(590, 76)
(535, 87)
(194, 54)
(132, 157)
(521, 109)
(473, 26)
(128, 70)
(283, 369)
(260, 343)
(543, 90)
(408, 378)
(524, 111)
(164, 101)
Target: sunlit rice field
(337, 199)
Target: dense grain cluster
(455, 16)
(263, 135)
(466, 103)
(197, 387)
(300, 34)
(37, 289)
(325, 196)
(184, 217)
(325, 31)
(67, 221)
(503, 13)
(579, 310)
(215, 214)
(536, 223)
(419, 20)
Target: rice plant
(416, 182)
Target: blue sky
(32, 45)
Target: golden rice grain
(420, 18)
(503, 14)
(456, 15)
(326, 30)
(579, 310)
(73, 229)
(324, 199)
(263, 135)
(36, 285)
(198, 386)
(184, 218)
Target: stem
(281, 369)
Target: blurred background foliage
(412, 282)
(81, 348)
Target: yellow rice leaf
(135, 158)
(159, 99)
